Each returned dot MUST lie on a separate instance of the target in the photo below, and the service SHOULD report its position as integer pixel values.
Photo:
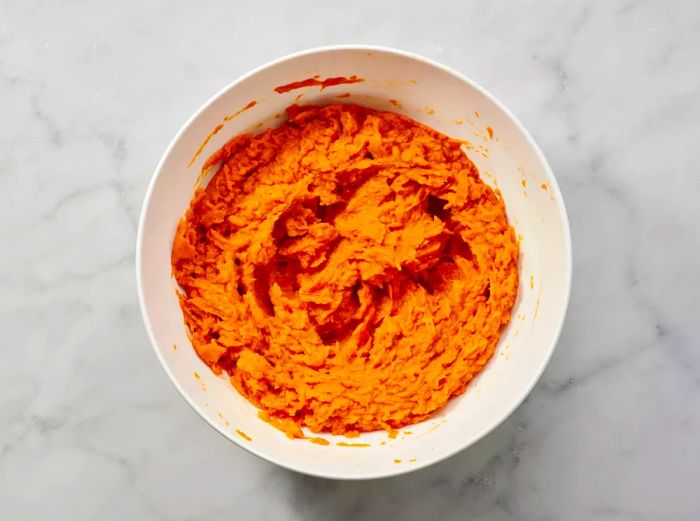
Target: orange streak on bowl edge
(319, 441)
(314, 81)
(204, 143)
(217, 128)
(248, 106)
(243, 435)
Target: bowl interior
(507, 159)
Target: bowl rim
(399, 470)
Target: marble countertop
(91, 94)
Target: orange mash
(348, 270)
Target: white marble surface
(90, 95)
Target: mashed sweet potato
(349, 270)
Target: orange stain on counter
(544, 186)
(316, 81)
(490, 131)
(395, 103)
(345, 444)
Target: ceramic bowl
(507, 158)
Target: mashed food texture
(348, 270)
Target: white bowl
(429, 93)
